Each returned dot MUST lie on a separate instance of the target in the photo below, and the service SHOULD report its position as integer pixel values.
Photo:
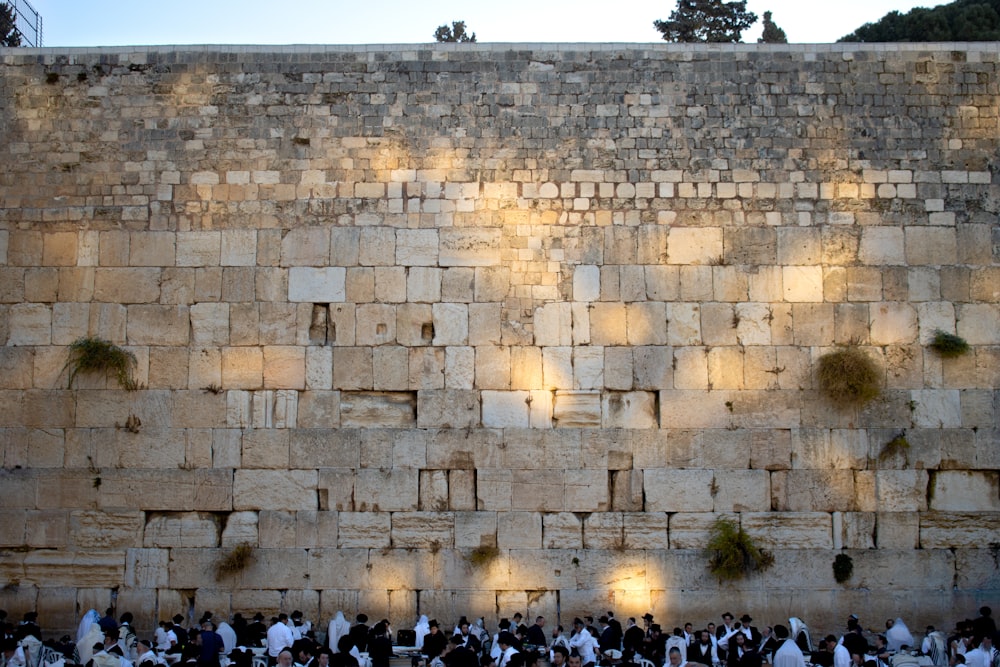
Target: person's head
(711, 628)
(504, 624)
(345, 644)
(727, 618)
(603, 620)
(304, 648)
(589, 620)
(830, 643)
(780, 631)
(655, 630)
(985, 611)
(880, 641)
(9, 646)
(517, 618)
(678, 632)
(178, 619)
(285, 658)
(675, 656)
(857, 659)
(540, 621)
(361, 619)
(688, 628)
(577, 624)
(282, 617)
(957, 659)
(741, 639)
(889, 623)
(464, 629)
(143, 646)
(705, 638)
(505, 640)
(574, 660)
(433, 626)
(323, 659)
(647, 619)
(560, 656)
(125, 618)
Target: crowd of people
(291, 641)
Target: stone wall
(483, 328)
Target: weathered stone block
(317, 285)
(636, 409)
(423, 530)
(189, 529)
(274, 490)
(577, 409)
(505, 409)
(964, 491)
(389, 490)
(789, 530)
(678, 490)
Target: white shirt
(977, 658)
(505, 656)
(279, 637)
(841, 656)
(789, 655)
(584, 643)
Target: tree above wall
(706, 21)
(959, 21)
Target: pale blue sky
(130, 22)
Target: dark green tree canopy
(9, 36)
(706, 21)
(455, 33)
(772, 33)
(959, 21)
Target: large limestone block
(635, 409)
(562, 530)
(506, 409)
(678, 490)
(274, 490)
(324, 448)
(802, 283)
(306, 246)
(931, 245)
(586, 283)
(898, 530)
(815, 448)
(882, 245)
(176, 490)
(493, 367)
(646, 323)
(451, 323)
(317, 284)
(813, 490)
(553, 325)
(695, 409)
(266, 448)
(608, 324)
(404, 569)
(789, 530)
(902, 490)
(645, 530)
(586, 491)
(519, 530)
(741, 490)
(284, 367)
(893, 323)
(387, 490)
(106, 530)
(979, 323)
(923, 570)
(588, 367)
(342, 569)
(418, 247)
(423, 530)
(364, 530)
(45, 529)
(603, 530)
(188, 529)
(469, 246)
(199, 248)
(240, 527)
(615, 569)
(147, 568)
(80, 569)
(577, 409)
(701, 245)
(377, 409)
(533, 490)
(964, 491)
(525, 367)
(475, 529)
(937, 408)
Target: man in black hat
(632, 641)
(752, 633)
(435, 641)
(359, 632)
(647, 623)
(506, 641)
(722, 631)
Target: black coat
(359, 636)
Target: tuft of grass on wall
(96, 355)
(843, 568)
(949, 345)
(482, 556)
(849, 377)
(732, 554)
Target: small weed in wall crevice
(96, 355)
(238, 559)
(898, 445)
(849, 377)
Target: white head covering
(338, 628)
(421, 630)
(898, 635)
(88, 619)
(228, 637)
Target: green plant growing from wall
(732, 554)
(238, 559)
(898, 445)
(96, 355)
(843, 568)
(949, 345)
(849, 377)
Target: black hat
(655, 627)
(746, 618)
(432, 623)
(647, 617)
(506, 638)
(727, 615)
(258, 616)
(602, 619)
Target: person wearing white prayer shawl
(841, 656)
(674, 658)
(94, 635)
(898, 636)
(88, 619)
(788, 654)
(339, 627)
(977, 657)
(147, 658)
(228, 637)
(421, 630)
(505, 640)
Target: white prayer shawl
(841, 656)
(85, 647)
(228, 637)
(421, 630)
(338, 628)
(584, 643)
(88, 619)
(898, 636)
(789, 655)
